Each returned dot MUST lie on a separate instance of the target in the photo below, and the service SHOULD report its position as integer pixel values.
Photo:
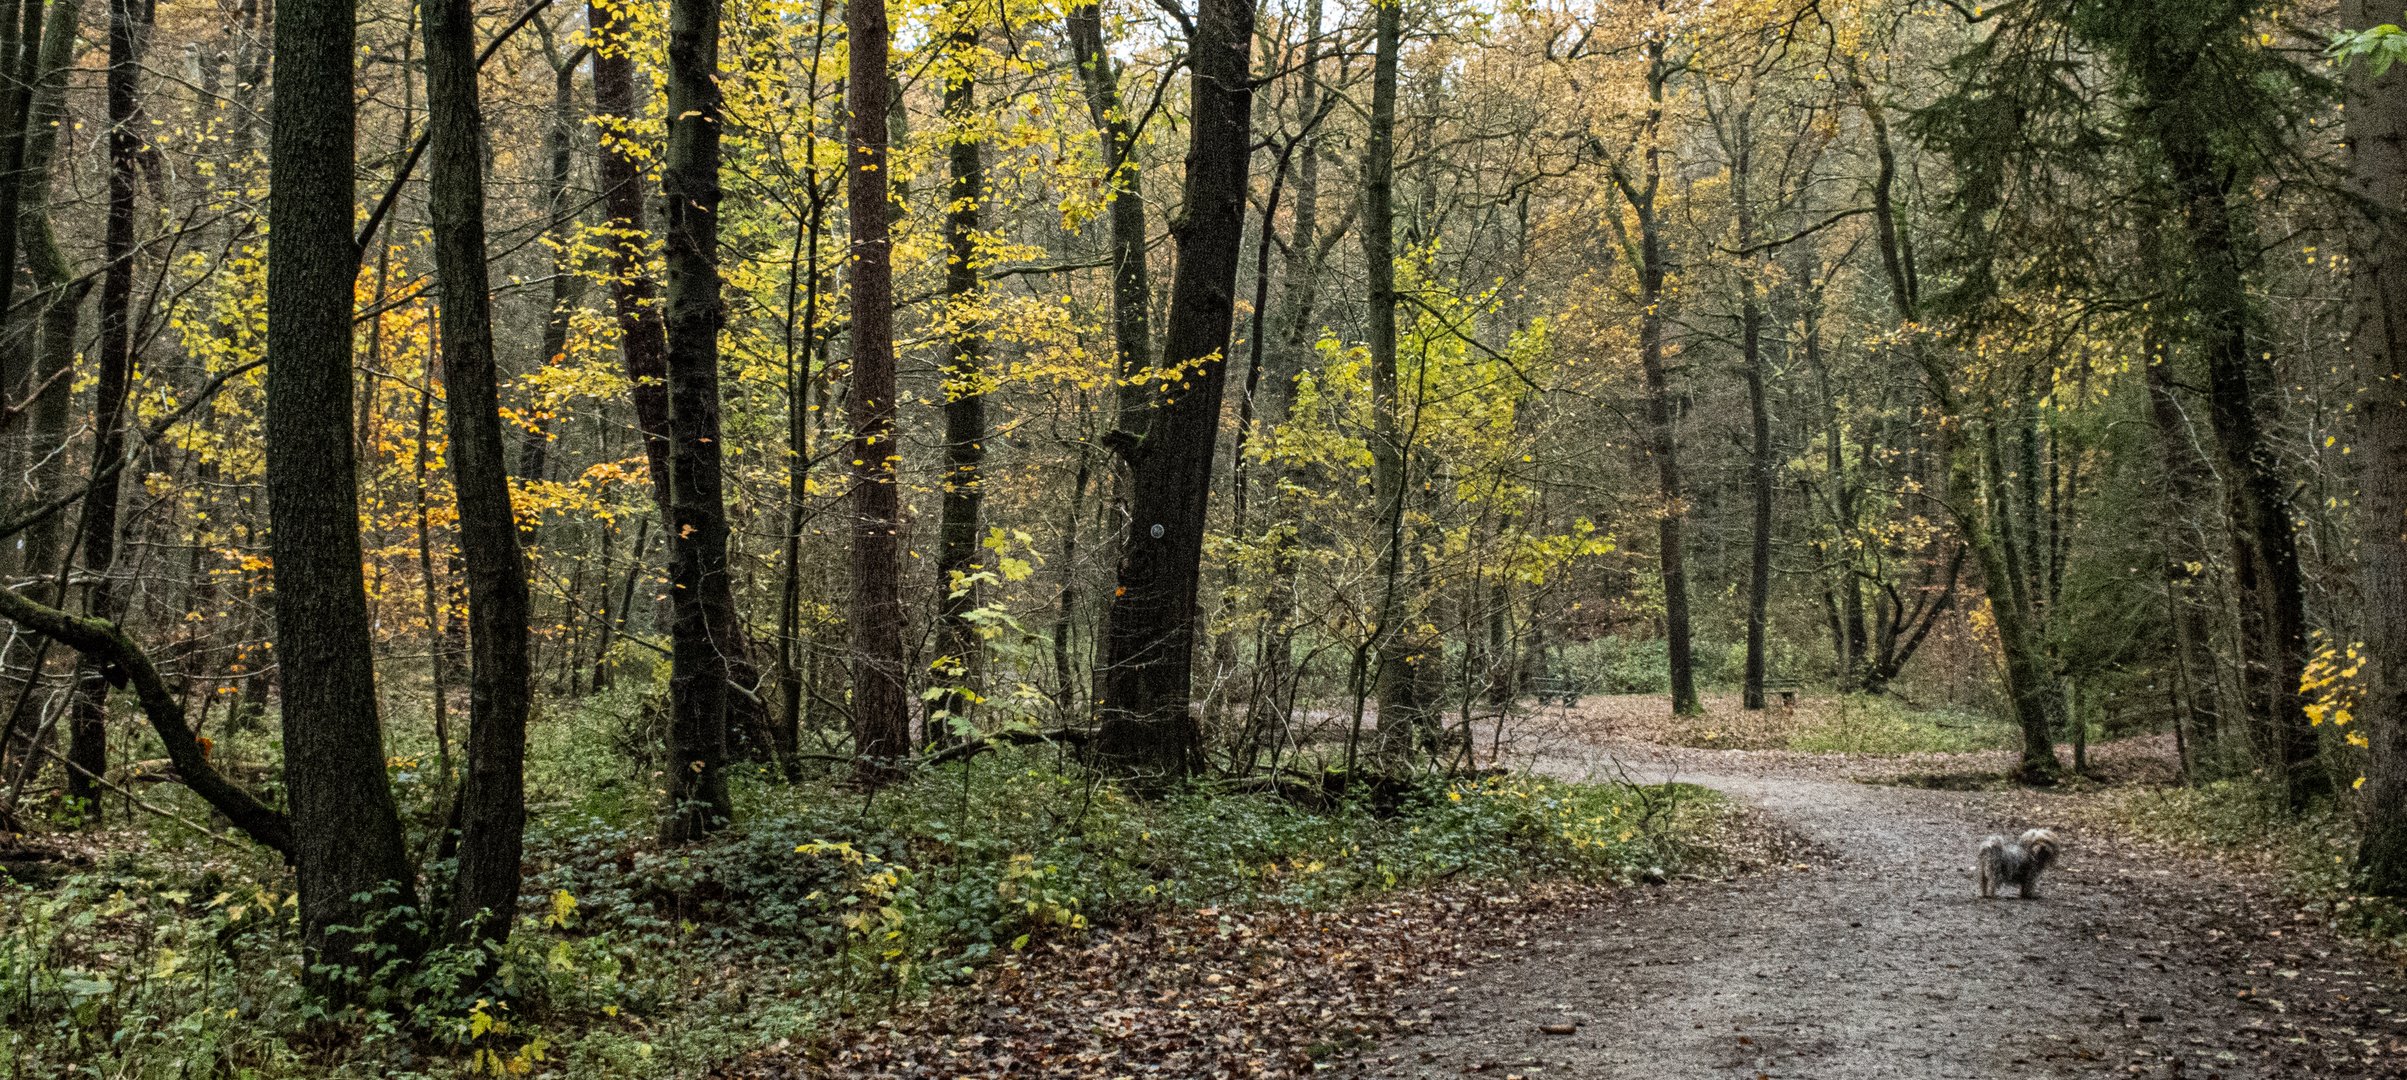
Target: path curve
(1881, 962)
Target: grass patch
(1882, 726)
(168, 957)
(1865, 724)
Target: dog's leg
(1988, 886)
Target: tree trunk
(87, 729)
(802, 302)
(633, 294)
(1132, 292)
(1842, 590)
(701, 599)
(2186, 493)
(1399, 707)
(958, 643)
(1299, 276)
(1662, 443)
(2264, 547)
(1149, 632)
(45, 392)
(2028, 680)
(2377, 134)
(881, 701)
(430, 592)
(353, 870)
(559, 144)
(491, 810)
(43, 396)
(1762, 461)
(20, 44)
(1065, 613)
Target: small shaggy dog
(2017, 862)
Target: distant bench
(1785, 691)
(1560, 691)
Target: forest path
(1883, 962)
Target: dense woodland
(1266, 398)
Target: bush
(1615, 665)
(633, 960)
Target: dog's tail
(1995, 845)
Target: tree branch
(124, 663)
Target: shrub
(1615, 665)
(633, 960)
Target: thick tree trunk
(87, 729)
(964, 390)
(880, 697)
(1149, 629)
(353, 870)
(701, 599)
(492, 802)
(2377, 133)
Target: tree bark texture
(964, 391)
(1399, 708)
(1662, 441)
(45, 391)
(880, 695)
(634, 297)
(346, 831)
(1147, 725)
(1762, 458)
(491, 812)
(701, 600)
(1132, 290)
(2377, 134)
(87, 731)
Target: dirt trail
(1880, 962)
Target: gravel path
(1880, 961)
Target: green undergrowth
(1873, 725)
(1882, 726)
(163, 957)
